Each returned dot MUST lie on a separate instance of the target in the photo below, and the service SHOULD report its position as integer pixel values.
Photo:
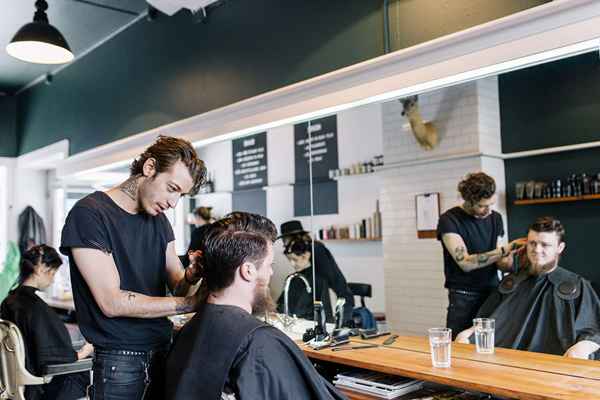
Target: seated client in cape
(543, 307)
(226, 353)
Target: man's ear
(149, 168)
(248, 271)
(561, 247)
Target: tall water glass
(484, 334)
(440, 343)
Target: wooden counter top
(510, 373)
(507, 357)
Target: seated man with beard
(224, 352)
(543, 307)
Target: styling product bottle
(377, 221)
(586, 184)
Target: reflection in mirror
(356, 217)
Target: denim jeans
(462, 308)
(128, 375)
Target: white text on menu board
(250, 163)
(317, 143)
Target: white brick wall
(467, 118)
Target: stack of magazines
(376, 384)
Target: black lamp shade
(39, 42)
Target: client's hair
(549, 224)
(32, 257)
(237, 238)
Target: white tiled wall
(467, 119)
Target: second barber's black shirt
(138, 244)
(480, 236)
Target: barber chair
(13, 374)
(363, 317)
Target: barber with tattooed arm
(471, 236)
(122, 258)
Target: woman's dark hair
(549, 224)
(477, 186)
(298, 244)
(167, 151)
(32, 257)
(231, 241)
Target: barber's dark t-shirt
(138, 244)
(480, 236)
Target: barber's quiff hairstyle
(477, 186)
(549, 224)
(166, 151)
(231, 241)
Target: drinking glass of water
(440, 342)
(484, 334)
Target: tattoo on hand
(130, 296)
(459, 253)
(482, 258)
(130, 187)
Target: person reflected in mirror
(543, 307)
(298, 248)
(224, 352)
(202, 219)
(474, 249)
(47, 340)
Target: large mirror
(343, 189)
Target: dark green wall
(553, 105)
(8, 131)
(417, 21)
(162, 71)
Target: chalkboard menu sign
(250, 162)
(252, 201)
(324, 147)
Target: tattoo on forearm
(130, 187)
(459, 253)
(482, 259)
(130, 296)
(186, 305)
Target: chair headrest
(360, 289)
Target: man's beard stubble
(262, 302)
(544, 268)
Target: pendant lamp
(39, 42)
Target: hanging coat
(31, 229)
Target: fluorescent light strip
(528, 61)
(496, 69)
(107, 167)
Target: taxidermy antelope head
(424, 132)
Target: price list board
(316, 141)
(250, 173)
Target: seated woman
(46, 338)
(298, 249)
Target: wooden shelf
(353, 176)
(558, 199)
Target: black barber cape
(225, 349)
(46, 338)
(547, 313)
